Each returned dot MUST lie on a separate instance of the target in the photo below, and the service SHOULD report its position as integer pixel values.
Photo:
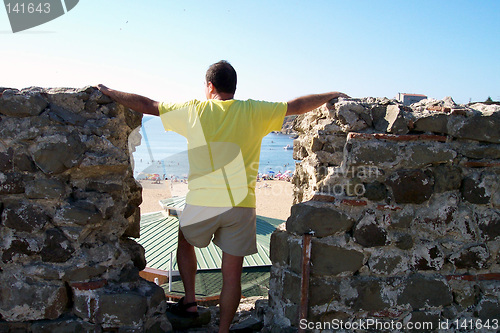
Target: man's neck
(223, 96)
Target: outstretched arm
(132, 101)
(307, 103)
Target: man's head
(222, 76)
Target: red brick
(89, 285)
(388, 207)
(394, 137)
(323, 198)
(489, 277)
(476, 164)
(353, 202)
(459, 112)
(432, 137)
(439, 108)
(478, 277)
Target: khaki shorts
(232, 228)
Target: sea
(164, 153)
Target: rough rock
(411, 186)
(22, 103)
(419, 238)
(321, 221)
(68, 203)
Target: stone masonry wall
(404, 207)
(69, 208)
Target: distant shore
(274, 197)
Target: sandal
(180, 309)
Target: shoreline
(274, 197)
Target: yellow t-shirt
(224, 139)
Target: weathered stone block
(86, 299)
(132, 118)
(299, 151)
(136, 252)
(369, 233)
(369, 296)
(388, 263)
(375, 191)
(421, 291)
(45, 189)
(333, 260)
(421, 155)
(54, 157)
(474, 191)
(134, 226)
(320, 219)
(64, 325)
(396, 122)
(467, 128)
(17, 104)
(57, 248)
(65, 117)
(25, 300)
(19, 248)
(80, 213)
(428, 258)
(489, 224)
(488, 309)
(279, 247)
(6, 160)
(324, 291)
(86, 273)
(471, 257)
(378, 113)
(23, 162)
(68, 98)
(447, 178)
(411, 186)
(295, 255)
(362, 152)
(433, 123)
(24, 217)
(11, 183)
(404, 241)
(291, 312)
(316, 144)
(465, 293)
(121, 309)
(479, 150)
(350, 116)
(401, 219)
(291, 287)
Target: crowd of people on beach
(271, 175)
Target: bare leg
(186, 260)
(231, 289)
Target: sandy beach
(274, 197)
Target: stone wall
(69, 207)
(404, 207)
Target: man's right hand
(102, 88)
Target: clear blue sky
(280, 49)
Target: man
(224, 137)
